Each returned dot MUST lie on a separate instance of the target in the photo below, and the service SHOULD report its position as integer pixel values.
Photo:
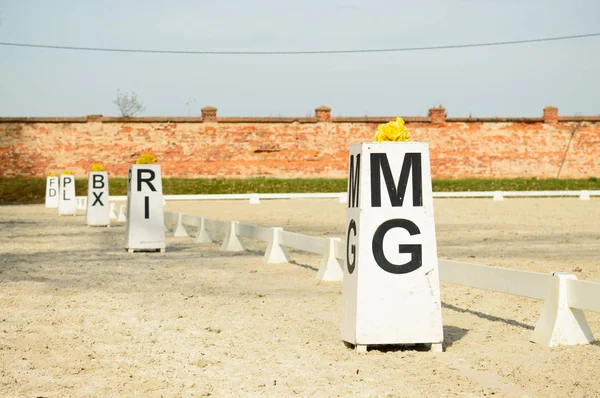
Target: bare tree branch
(129, 105)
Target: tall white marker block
(145, 225)
(52, 192)
(391, 291)
(67, 204)
(98, 207)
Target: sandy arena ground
(80, 317)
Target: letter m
(354, 181)
(380, 165)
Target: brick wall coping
(341, 119)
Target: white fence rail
(503, 280)
(562, 320)
(254, 198)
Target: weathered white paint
(67, 206)
(559, 324)
(98, 207)
(52, 192)
(389, 297)
(145, 225)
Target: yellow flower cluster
(146, 158)
(67, 173)
(97, 167)
(392, 131)
(51, 175)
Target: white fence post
(254, 199)
(559, 324)
(232, 243)
(122, 216)
(584, 195)
(498, 196)
(203, 236)
(180, 229)
(276, 253)
(330, 268)
(113, 214)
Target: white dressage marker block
(67, 204)
(98, 208)
(52, 192)
(498, 196)
(145, 225)
(391, 289)
(559, 324)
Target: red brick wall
(296, 147)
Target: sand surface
(80, 317)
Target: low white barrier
(254, 198)
(500, 195)
(279, 241)
(562, 320)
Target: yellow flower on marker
(51, 175)
(146, 158)
(392, 131)
(67, 173)
(97, 167)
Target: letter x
(97, 199)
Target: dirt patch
(81, 317)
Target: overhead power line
(306, 52)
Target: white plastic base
(330, 269)
(180, 230)
(584, 195)
(232, 243)
(559, 324)
(203, 236)
(276, 253)
(113, 214)
(254, 200)
(122, 217)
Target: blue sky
(517, 80)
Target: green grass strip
(32, 190)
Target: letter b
(97, 181)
